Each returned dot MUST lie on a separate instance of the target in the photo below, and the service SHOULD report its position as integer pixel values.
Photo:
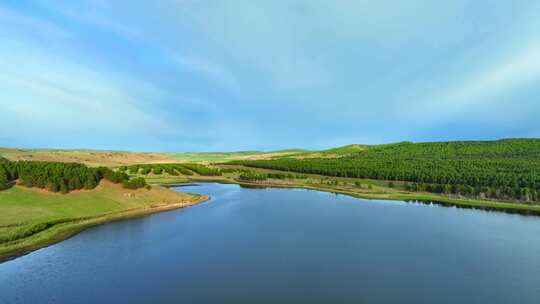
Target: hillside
(507, 168)
(97, 158)
(330, 153)
(32, 218)
(348, 149)
(229, 156)
(88, 157)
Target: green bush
(203, 170)
(252, 176)
(134, 183)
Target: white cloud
(41, 92)
(344, 64)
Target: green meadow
(31, 218)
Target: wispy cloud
(44, 93)
(487, 85)
(193, 73)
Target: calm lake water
(288, 246)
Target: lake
(288, 246)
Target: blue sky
(195, 75)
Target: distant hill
(229, 156)
(85, 156)
(122, 158)
(348, 149)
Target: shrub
(135, 183)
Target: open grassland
(32, 218)
(89, 157)
(96, 158)
(220, 157)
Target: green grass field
(33, 218)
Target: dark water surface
(288, 246)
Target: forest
(60, 177)
(504, 169)
(145, 169)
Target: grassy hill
(44, 202)
(97, 158)
(31, 218)
(105, 158)
(329, 153)
(89, 157)
(345, 150)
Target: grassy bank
(31, 219)
(361, 188)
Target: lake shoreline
(64, 230)
(424, 198)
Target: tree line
(203, 170)
(145, 169)
(58, 176)
(505, 169)
(252, 176)
(171, 169)
(248, 175)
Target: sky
(228, 75)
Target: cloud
(489, 84)
(302, 71)
(44, 93)
(303, 44)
